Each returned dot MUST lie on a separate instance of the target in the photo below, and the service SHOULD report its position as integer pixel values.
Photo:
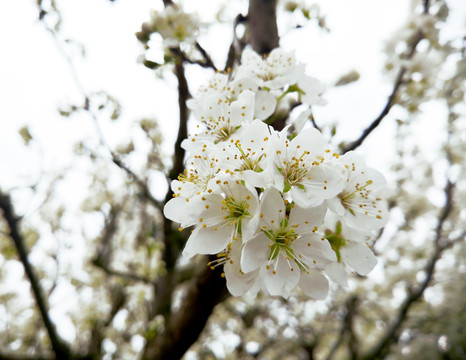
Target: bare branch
(142, 184)
(98, 262)
(385, 111)
(347, 330)
(391, 335)
(236, 44)
(391, 98)
(206, 56)
(445, 211)
(59, 347)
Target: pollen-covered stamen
(248, 161)
(296, 169)
(222, 258)
(235, 212)
(282, 241)
(359, 198)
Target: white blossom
(304, 168)
(175, 25)
(360, 202)
(286, 245)
(223, 217)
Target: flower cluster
(278, 210)
(175, 25)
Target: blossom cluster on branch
(280, 209)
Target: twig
(445, 211)
(125, 275)
(235, 46)
(378, 120)
(59, 347)
(391, 98)
(87, 102)
(206, 56)
(391, 335)
(139, 182)
(346, 330)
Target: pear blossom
(287, 245)
(304, 168)
(246, 153)
(175, 25)
(280, 210)
(196, 180)
(350, 248)
(223, 218)
(222, 117)
(272, 72)
(360, 203)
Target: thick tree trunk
(262, 20)
(207, 289)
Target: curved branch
(59, 347)
(390, 101)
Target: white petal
(307, 219)
(311, 140)
(255, 253)
(249, 227)
(208, 240)
(314, 284)
(358, 257)
(178, 210)
(337, 273)
(265, 105)
(238, 282)
(272, 208)
(313, 250)
(285, 278)
(336, 206)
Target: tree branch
(391, 335)
(59, 347)
(98, 262)
(390, 101)
(346, 330)
(184, 326)
(206, 56)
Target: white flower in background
(272, 72)
(223, 218)
(286, 246)
(305, 168)
(222, 117)
(246, 153)
(351, 248)
(360, 203)
(175, 26)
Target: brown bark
(207, 288)
(262, 20)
